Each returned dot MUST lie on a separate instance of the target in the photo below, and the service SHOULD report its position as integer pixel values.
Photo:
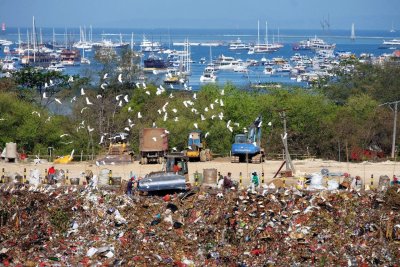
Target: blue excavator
(247, 147)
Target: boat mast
(132, 41)
(353, 34)
(258, 32)
(19, 42)
(266, 32)
(54, 39)
(27, 37)
(34, 39)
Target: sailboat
(84, 60)
(353, 34)
(392, 29)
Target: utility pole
(289, 163)
(394, 123)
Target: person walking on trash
(254, 181)
(129, 186)
(356, 184)
(228, 181)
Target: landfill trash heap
(74, 226)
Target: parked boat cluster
(312, 58)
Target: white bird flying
(174, 110)
(44, 95)
(58, 101)
(213, 116)
(195, 125)
(127, 129)
(174, 149)
(165, 116)
(194, 96)
(159, 111)
(70, 79)
(99, 96)
(118, 96)
(46, 85)
(120, 77)
(222, 92)
(51, 82)
(259, 125)
(207, 134)
(139, 115)
(101, 139)
(176, 119)
(206, 109)
(82, 91)
(155, 139)
(269, 123)
(83, 109)
(171, 96)
(61, 136)
(185, 103)
(221, 116)
(230, 128)
(148, 92)
(137, 85)
(90, 129)
(221, 103)
(202, 117)
(171, 86)
(126, 98)
(144, 85)
(88, 101)
(105, 76)
(103, 86)
(129, 109)
(73, 99)
(166, 131)
(236, 124)
(212, 105)
(120, 103)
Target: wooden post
(262, 178)
(196, 178)
(2, 175)
(45, 176)
(24, 180)
(240, 179)
(372, 181)
(109, 177)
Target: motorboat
(148, 46)
(238, 45)
(56, 66)
(8, 64)
(154, 62)
(227, 63)
(269, 70)
(208, 75)
(313, 44)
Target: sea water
(367, 41)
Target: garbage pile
(75, 226)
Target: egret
(88, 101)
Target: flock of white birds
(122, 100)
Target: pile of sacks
(72, 225)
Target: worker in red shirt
(51, 175)
(176, 168)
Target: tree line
(327, 121)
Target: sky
(203, 14)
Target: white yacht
(208, 74)
(56, 66)
(148, 46)
(227, 63)
(238, 45)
